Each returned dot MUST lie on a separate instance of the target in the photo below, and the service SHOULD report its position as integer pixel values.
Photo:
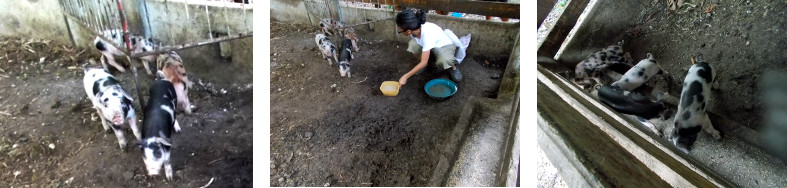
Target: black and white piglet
(691, 117)
(138, 44)
(156, 143)
(114, 106)
(639, 74)
(634, 104)
(327, 25)
(327, 48)
(595, 64)
(346, 56)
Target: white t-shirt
(432, 36)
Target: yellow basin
(390, 88)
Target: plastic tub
(390, 88)
(440, 88)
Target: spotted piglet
(327, 48)
(346, 56)
(156, 143)
(114, 106)
(639, 74)
(691, 117)
(327, 25)
(170, 66)
(594, 65)
(349, 33)
(138, 44)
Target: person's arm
(418, 67)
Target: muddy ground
(50, 135)
(352, 135)
(740, 39)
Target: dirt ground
(352, 135)
(740, 39)
(51, 136)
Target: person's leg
(445, 56)
(447, 61)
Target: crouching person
(428, 40)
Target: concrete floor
(735, 160)
(548, 175)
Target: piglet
(639, 74)
(691, 117)
(156, 143)
(595, 64)
(349, 33)
(138, 44)
(327, 25)
(346, 56)
(114, 106)
(634, 104)
(327, 48)
(171, 67)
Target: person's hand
(403, 80)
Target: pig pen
(328, 130)
(50, 136)
(742, 40)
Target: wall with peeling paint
(32, 19)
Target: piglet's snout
(117, 120)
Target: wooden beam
(543, 9)
(562, 27)
(505, 10)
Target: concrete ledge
(600, 159)
(510, 83)
(566, 160)
(483, 148)
(475, 153)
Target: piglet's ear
(163, 139)
(650, 56)
(128, 97)
(165, 142)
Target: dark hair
(411, 19)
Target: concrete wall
(492, 40)
(604, 25)
(170, 24)
(44, 19)
(289, 11)
(133, 16)
(32, 19)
